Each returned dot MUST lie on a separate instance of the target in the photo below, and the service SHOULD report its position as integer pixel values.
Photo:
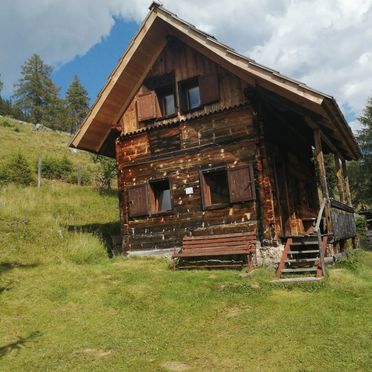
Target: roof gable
(144, 50)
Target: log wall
(179, 152)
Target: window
(198, 91)
(159, 100)
(215, 187)
(160, 196)
(168, 104)
(149, 198)
(221, 186)
(193, 97)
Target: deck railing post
(322, 174)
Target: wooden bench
(235, 244)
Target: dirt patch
(175, 366)
(234, 311)
(97, 353)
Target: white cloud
(324, 43)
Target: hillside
(16, 136)
(66, 306)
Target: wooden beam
(347, 185)
(340, 182)
(320, 162)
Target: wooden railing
(343, 221)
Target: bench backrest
(225, 242)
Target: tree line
(36, 98)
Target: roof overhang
(145, 48)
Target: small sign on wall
(189, 190)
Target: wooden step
(294, 280)
(305, 243)
(300, 270)
(301, 260)
(305, 251)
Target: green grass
(66, 307)
(21, 137)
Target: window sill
(158, 214)
(216, 206)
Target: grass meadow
(66, 306)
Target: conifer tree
(1, 85)
(361, 172)
(36, 94)
(77, 103)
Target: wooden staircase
(302, 259)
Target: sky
(326, 44)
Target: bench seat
(235, 244)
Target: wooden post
(340, 183)
(320, 162)
(78, 171)
(39, 166)
(322, 176)
(347, 185)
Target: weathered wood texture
(343, 221)
(185, 63)
(179, 153)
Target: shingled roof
(133, 67)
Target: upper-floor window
(159, 100)
(168, 103)
(198, 91)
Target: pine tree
(77, 103)
(1, 85)
(36, 94)
(361, 171)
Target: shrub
(106, 173)
(85, 176)
(17, 170)
(352, 259)
(56, 168)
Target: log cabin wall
(179, 153)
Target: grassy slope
(64, 306)
(21, 137)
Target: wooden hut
(211, 145)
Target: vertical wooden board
(209, 88)
(138, 200)
(241, 184)
(148, 106)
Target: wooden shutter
(182, 97)
(209, 89)
(241, 183)
(148, 106)
(138, 200)
(205, 191)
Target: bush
(17, 170)
(106, 173)
(352, 259)
(56, 168)
(85, 176)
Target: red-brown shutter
(148, 106)
(209, 89)
(241, 184)
(204, 191)
(138, 200)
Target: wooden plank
(340, 183)
(220, 236)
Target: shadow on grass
(19, 344)
(105, 231)
(6, 266)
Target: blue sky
(95, 66)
